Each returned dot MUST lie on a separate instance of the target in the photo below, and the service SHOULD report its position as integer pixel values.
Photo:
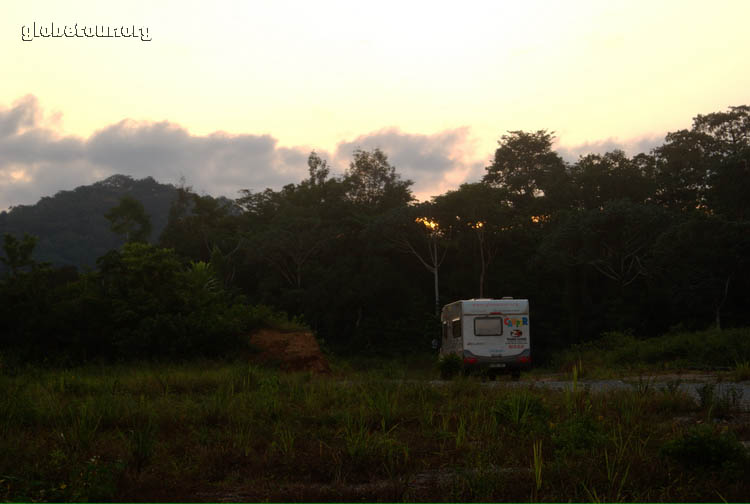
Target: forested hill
(71, 227)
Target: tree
(371, 181)
(599, 178)
(729, 172)
(606, 258)
(730, 186)
(423, 236)
(730, 129)
(479, 210)
(700, 259)
(18, 252)
(318, 169)
(130, 219)
(619, 238)
(293, 237)
(683, 166)
(205, 229)
(530, 170)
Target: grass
(209, 430)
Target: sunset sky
(234, 95)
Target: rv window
(456, 328)
(445, 330)
(488, 326)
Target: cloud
(24, 113)
(37, 160)
(218, 163)
(436, 163)
(631, 147)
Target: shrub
(578, 434)
(449, 365)
(523, 410)
(704, 447)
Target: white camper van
(491, 335)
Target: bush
(450, 365)
(143, 302)
(710, 348)
(523, 410)
(704, 447)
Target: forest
(647, 244)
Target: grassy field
(210, 431)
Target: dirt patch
(293, 351)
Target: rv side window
(488, 326)
(445, 330)
(456, 328)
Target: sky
(230, 95)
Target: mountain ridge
(71, 227)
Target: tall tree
(371, 181)
(525, 165)
(683, 166)
(480, 212)
(599, 178)
(730, 129)
(426, 238)
(729, 173)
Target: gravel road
(738, 390)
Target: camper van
(490, 335)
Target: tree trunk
(721, 303)
(437, 294)
(481, 272)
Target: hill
(71, 226)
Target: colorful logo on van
(516, 322)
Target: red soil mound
(294, 351)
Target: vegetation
(710, 349)
(607, 243)
(107, 393)
(141, 302)
(71, 226)
(210, 431)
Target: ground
(293, 351)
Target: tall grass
(212, 431)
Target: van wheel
(515, 375)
